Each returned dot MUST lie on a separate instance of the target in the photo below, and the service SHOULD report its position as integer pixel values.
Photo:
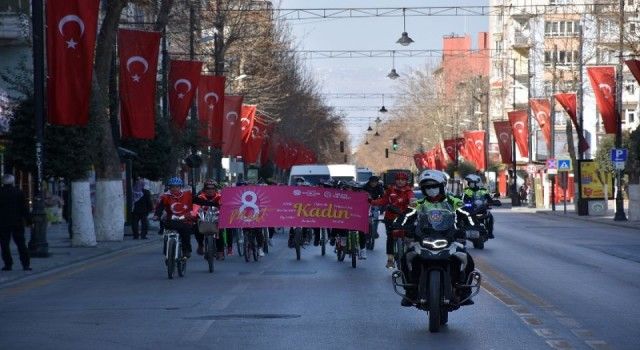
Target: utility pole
(552, 150)
(218, 59)
(38, 246)
(531, 196)
(515, 199)
(620, 215)
(582, 204)
(165, 72)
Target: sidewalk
(572, 214)
(62, 254)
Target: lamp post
(515, 199)
(620, 215)
(38, 245)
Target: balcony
(521, 41)
(14, 24)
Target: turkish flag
(568, 101)
(71, 40)
(247, 117)
(520, 129)
(475, 147)
(184, 77)
(267, 144)
(138, 56)
(504, 135)
(231, 126)
(417, 159)
(634, 67)
(210, 107)
(439, 157)
(462, 148)
(450, 148)
(603, 82)
(541, 109)
(252, 146)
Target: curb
(580, 218)
(43, 273)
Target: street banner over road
(293, 206)
(138, 55)
(71, 42)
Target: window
(561, 28)
(630, 86)
(631, 116)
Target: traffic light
(394, 145)
(341, 146)
(386, 153)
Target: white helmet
(432, 176)
(473, 180)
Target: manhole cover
(289, 273)
(243, 317)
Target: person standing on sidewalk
(142, 207)
(14, 213)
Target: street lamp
(393, 74)
(382, 109)
(377, 121)
(404, 40)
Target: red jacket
(397, 197)
(204, 201)
(179, 205)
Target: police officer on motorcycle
(432, 184)
(475, 191)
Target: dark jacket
(374, 192)
(144, 205)
(14, 210)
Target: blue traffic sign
(564, 165)
(619, 155)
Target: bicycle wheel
(323, 241)
(297, 241)
(353, 237)
(246, 246)
(239, 242)
(171, 260)
(340, 249)
(181, 264)
(254, 243)
(371, 240)
(210, 252)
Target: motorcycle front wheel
(434, 301)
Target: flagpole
(38, 246)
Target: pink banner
(293, 206)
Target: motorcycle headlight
(434, 244)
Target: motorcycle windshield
(436, 219)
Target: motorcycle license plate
(473, 234)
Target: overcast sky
(360, 75)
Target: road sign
(552, 163)
(619, 155)
(564, 165)
(618, 165)
(532, 168)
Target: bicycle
(174, 256)
(250, 245)
(374, 219)
(208, 226)
(348, 244)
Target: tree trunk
(109, 206)
(84, 234)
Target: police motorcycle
(477, 219)
(433, 267)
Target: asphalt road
(550, 283)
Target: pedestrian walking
(14, 214)
(142, 207)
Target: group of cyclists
(180, 209)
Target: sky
(369, 75)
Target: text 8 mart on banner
(293, 206)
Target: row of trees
(253, 43)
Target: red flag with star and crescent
(603, 82)
(541, 109)
(247, 116)
(138, 55)
(210, 107)
(252, 146)
(231, 126)
(504, 135)
(475, 147)
(71, 40)
(569, 102)
(520, 130)
(184, 77)
(450, 149)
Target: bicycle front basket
(208, 228)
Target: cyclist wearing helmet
(475, 191)
(397, 197)
(432, 184)
(177, 205)
(374, 187)
(208, 197)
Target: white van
(343, 172)
(311, 173)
